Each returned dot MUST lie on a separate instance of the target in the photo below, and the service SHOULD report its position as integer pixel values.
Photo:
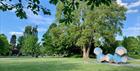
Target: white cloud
(42, 29)
(38, 19)
(132, 31)
(16, 33)
(121, 3)
(129, 6)
(135, 4)
(132, 11)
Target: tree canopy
(13, 40)
(29, 44)
(34, 5)
(132, 44)
(89, 28)
(4, 45)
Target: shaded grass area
(135, 56)
(62, 64)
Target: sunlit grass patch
(62, 64)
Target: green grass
(62, 64)
(135, 56)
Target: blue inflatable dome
(98, 51)
(118, 57)
(120, 50)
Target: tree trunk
(88, 49)
(84, 53)
(87, 53)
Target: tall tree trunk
(84, 53)
(88, 50)
(87, 53)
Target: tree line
(28, 45)
(75, 32)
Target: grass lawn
(63, 64)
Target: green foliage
(29, 41)
(20, 5)
(20, 42)
(4, 45)
(132, 45)
(69, 6)
(13, 41)
(109, 47)
(87, 28)
(58, 41)
(134, 56)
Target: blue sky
(10, 24)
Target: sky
(10, 24)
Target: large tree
(90, 27)
(30, 45)
(13, 41)
(4, 45)
(48, 41)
